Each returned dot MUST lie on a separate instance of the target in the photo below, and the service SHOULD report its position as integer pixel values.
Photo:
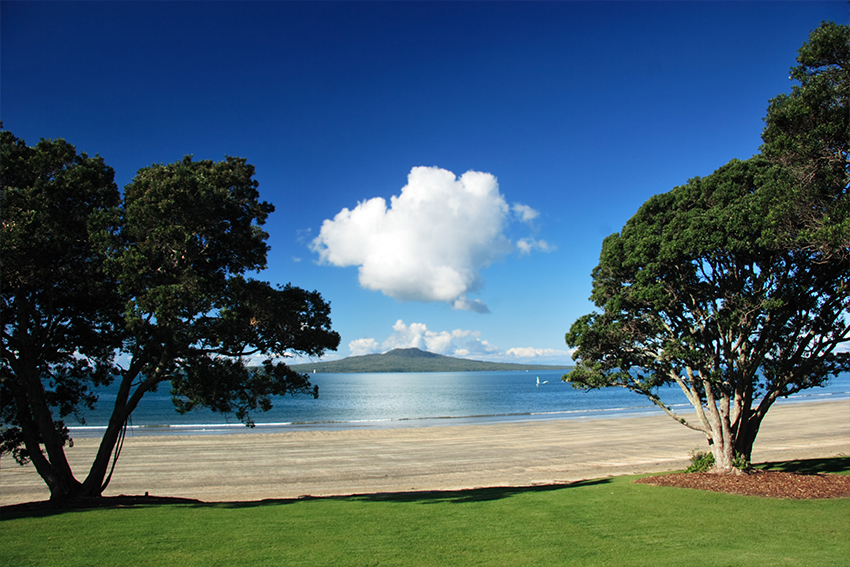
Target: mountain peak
(412, 352)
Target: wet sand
(252, 466)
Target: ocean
(414, 399)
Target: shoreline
(332, 462)
(238, 428)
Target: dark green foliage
(716, 287)
(741, 462)
(692, 294)
(701, 461)
(61, 317)
(808, 133)
(157, 281)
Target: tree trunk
(96, 481)
(39, 430)
(746, 437)
(98, 477)
(721, 439)
(721, 444)
(60, 480)
(723, 452)
(53, 467)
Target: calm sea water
(348, 401)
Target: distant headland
(414, 360)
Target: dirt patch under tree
(771, 484)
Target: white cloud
(529, 244)
(363, 346)
(525, 213)
(530, 352)
(477, 348)
(405, 336)
(466, 305)
(433, 240)
(461, 343)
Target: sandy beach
(252, 466)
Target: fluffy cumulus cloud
(363, 346)
(460, 342)
(431, 242)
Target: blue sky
(444, 173)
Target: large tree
(145, 290)
(736, 286)
(60, 313)
(690, 295)
(807, 131)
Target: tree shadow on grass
(471, 495)
(429, 496)
(49, 508)
(809, 466)
(46, 508)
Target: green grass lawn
(600, 522)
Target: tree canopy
(60, 313)
(808, 133)
(723, 286)
(145, 289)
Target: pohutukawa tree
(736, 286)
(156, 280)
(807, 132)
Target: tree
(693, 293)
(59, 310)
(736, 287)
(169, 262)
(808, 133)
